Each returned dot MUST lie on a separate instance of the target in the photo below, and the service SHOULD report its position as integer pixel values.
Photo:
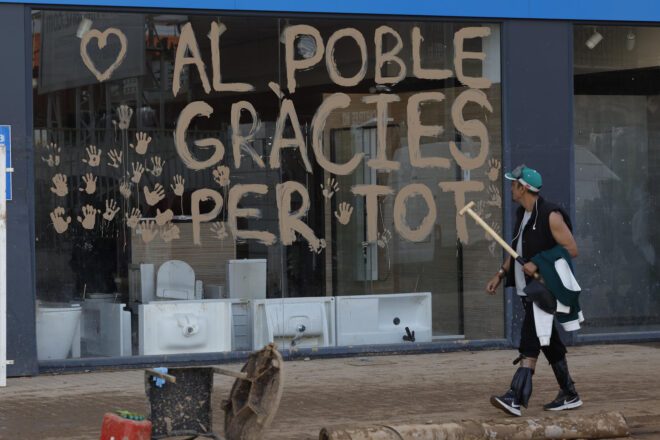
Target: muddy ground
(432, 388)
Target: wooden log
(232, 373)
(589, 426)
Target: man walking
(540, 226)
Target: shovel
(536, 289)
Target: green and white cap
(527, 177)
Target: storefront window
(617, 167)
(212, 183)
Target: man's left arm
(562, 234)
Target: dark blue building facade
(330, 147)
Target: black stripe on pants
(529, 342)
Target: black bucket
(184, 407)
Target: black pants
(529, 342)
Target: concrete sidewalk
(430, 388)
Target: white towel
(543, 323)
(562, 308)
(566, 275)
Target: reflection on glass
(207, 183)
(616, 169)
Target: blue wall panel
(16, 110)
(616, 10)
(537, 114)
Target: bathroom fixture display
(214, 291)
(247, 278)
(241, 324)
(294, 322)
(58, 330)
(141, 283)
(383, 319)
(100, 297)
(105, 328)
(176, 280)
(195, 326)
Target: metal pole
(3, 266)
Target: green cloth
(546, 263)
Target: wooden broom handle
(468, 208)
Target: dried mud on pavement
(430, 388)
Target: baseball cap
(527, 177)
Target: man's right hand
(492, 285)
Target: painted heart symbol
(102, 42)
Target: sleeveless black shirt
(536, 236)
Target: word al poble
(188, 53)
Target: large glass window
(617, 167)
(211, 183)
